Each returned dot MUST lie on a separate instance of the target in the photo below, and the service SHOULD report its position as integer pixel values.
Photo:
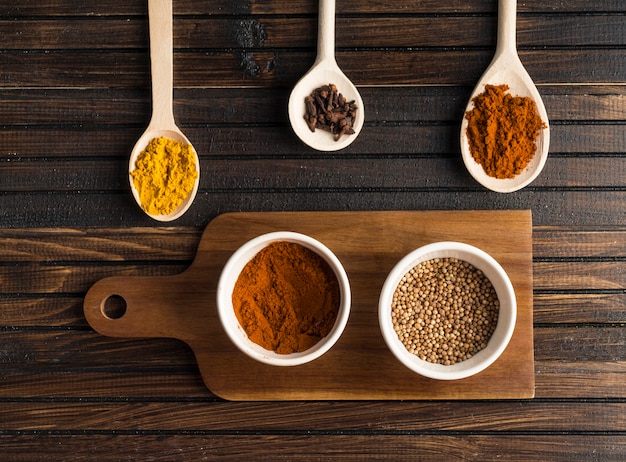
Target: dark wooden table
(74, 97)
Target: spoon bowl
(323, 72)
(162, 123)
(506, 68)
(173, 133)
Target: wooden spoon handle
(507, 23)
(161, 62)
(326, 31)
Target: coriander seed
(444, 310)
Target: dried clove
(328, 110)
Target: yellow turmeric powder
(165, 174)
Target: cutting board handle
(139, 306)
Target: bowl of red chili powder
(283, 298)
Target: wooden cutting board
(359, 366)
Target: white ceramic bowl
(236, 333)
(506, 318)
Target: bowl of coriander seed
(447, 310)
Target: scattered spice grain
(165, 174)
(444, 310)
(502, 131)
(286, 298)
(328, 110)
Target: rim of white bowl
(506, 318)
(231, 325)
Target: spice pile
(328, 110)
(165, 174)
(444, 310)
(286, 298)
(502, 131)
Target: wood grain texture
(319, 417)
(75, 95)
(307, 446)
(282, 69)
(296, 7)
(382, 31)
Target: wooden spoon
(323, 72)
(162, 123)
(506, 68)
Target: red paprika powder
(286, 298)
(502, 130)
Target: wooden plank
(600, 143)
(593, 243)
(357, 418)
(54, 351)
(139, 385)
(71, 349)
(381, 31)
(593, 306)
(592, 352)
(561, 379)
(581, 343)
(129, 245)
(279, 67)
(63, 279)
(552, 207)
(178, 243)
(603, 275)
(237, 7)
(397, 445)
(365, 249)
(127, 109)
(565, 378)
(169, 250)
(381, 174)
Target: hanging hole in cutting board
(114, 307)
